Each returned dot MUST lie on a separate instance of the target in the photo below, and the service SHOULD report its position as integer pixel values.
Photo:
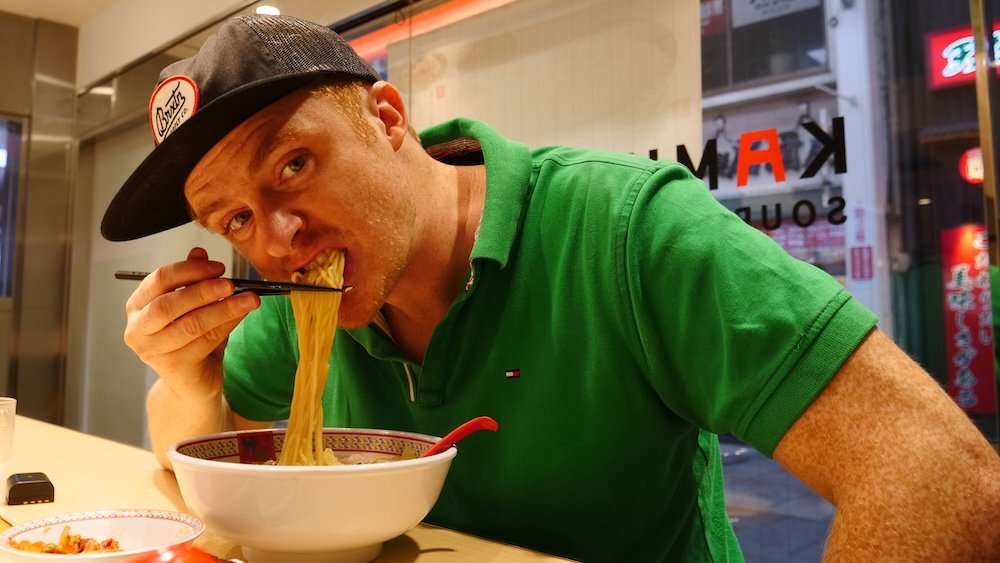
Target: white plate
(137, 531)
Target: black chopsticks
(259, 287)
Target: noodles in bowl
(351, 446)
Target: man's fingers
(205, 320)
(167, 279)
(168, 308)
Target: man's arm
(912, 478)
(201, 417)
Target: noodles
(316, 323)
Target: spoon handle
(474, 425)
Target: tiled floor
(776, 518)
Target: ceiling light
(266, 10)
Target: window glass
(846, 131)
(942, 284)
(746, 42)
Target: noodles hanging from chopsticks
(316, 323)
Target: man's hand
(912, 478)
(179, 319)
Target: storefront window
(802, 206)
(944, 291)
(747, 42)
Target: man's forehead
(245, 144)
(237, 156)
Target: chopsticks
(260, 287)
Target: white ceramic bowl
(295, 514)
(138, 532)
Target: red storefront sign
(968, 318)
(951, 57)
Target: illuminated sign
(952, 57)
(970, 166)
(968, 325)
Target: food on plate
(316, 323)
(68, 544)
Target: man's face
(296, 179)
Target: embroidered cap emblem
(173, 102)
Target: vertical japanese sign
(968, 318)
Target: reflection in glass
(10, 160)
(745, 43)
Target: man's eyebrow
(201, 217)
(267, 140)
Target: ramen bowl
(138, 532)
(305, 514)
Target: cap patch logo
(173, 102)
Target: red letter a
(749, 156)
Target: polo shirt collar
(508, 173)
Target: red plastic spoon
(456, 435)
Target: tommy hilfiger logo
(512, 373)
(173, 102)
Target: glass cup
(8, 407)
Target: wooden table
(91, 473)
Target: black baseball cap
(251, 62)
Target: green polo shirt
(615, 318)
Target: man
(604, 309)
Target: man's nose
(281, 233)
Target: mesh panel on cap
(304, 46)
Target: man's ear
(385, 101)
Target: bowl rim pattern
(424, 441)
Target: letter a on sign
(749, 157)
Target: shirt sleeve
(740, 336)
(260, 362)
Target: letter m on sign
(748, 156)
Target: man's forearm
(940, 517)
(912, 478)
(172, 419)
(956, 531)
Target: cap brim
(152, 199)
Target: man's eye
(237, 222)
(293, 166)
